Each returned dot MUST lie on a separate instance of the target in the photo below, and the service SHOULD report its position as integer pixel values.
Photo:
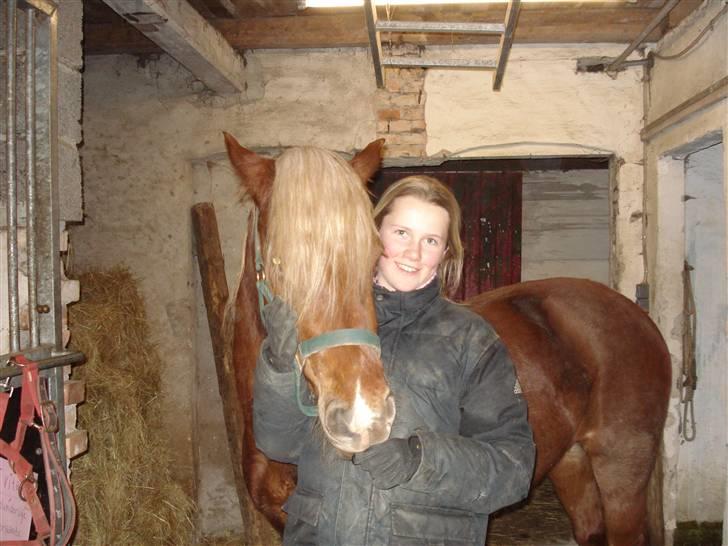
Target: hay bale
(123, 485)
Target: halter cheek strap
(327, 340)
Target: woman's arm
(279, 426)
(490, 463)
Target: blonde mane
(321, 242)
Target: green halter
(335, 338)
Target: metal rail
(652, 25)
(12, 180)
(440, 28)
(481, 64)
(10, 371)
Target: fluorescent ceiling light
(355, 3)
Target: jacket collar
(391, 305)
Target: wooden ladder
(375, 27)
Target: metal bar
(46, 203)
(30, 234)
(49, 224)
(375, 42)
(54, 361)
(410, 62)
(46, 6)
(12, 182)
(617, 63)
(439, 27)
(506, 41)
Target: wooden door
(491, 231)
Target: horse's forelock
(321, 240)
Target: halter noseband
(327, 340)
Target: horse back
(587, 359)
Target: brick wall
(401, 112)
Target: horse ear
(256, 172)
(367, 162)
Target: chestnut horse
(593, 367)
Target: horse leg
(622, 477)
(578, 492)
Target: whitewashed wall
(145, 128)
(701, 464)
(545, 109)
(671, 83)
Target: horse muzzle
(352, 428)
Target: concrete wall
(565, 225)
(671, 83)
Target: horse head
(319, 247)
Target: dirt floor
(540, 522)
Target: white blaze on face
(362, 415)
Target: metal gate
(30, 230)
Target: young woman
(460, 446)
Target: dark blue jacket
(455, 388)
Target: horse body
(595, 372)
(593, 368)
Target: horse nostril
(338, 420)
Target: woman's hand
(392, 462)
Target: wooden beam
(707, 97)
(535, 25)
(177, 28)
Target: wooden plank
(179, 30)
(215, 8)
(74, 391)
(536, 24)
(212, 272)
(76, 443)
(215, 292)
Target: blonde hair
(432, 191)
(321, 242)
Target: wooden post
(215, 291)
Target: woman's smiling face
(414, 237)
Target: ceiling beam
(179, 30)
(535, 25)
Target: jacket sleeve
(279, 426)
(489, 464)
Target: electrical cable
(695, 42)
